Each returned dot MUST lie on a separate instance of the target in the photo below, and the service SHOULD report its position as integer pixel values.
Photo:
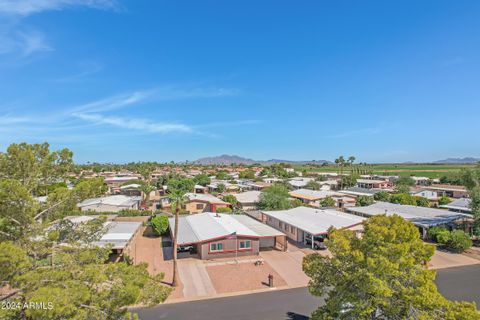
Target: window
(280, 225)
(286, 227)
(292, 229)
(199, 205)
(247, 244)
(269, 219)
(216, 247)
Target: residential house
(199, 202)
(248, 200)
(214, 235)
(113, 203)
(302, 223)
(314, 197)
(374, 184)
(422, 217)
(448, 190)
(463, 205)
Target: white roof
(370, 181)
(299, 182)
(204, 197)
(315, 221)
(207, 226)
(248, 196)
(116, 200)
(131, 186)
(113, 179)
(421, 216)
(118, 233)
(462, 204)
(313, 194)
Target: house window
(199, 206)
(280, 225)
(286, 227)
(217, 247)
(247, 244)
(292, 229)
(269, 219)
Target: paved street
(462, 283)
(455, 283)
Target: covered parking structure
(423, 217)
(302, 224)
(213, 235)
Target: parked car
(185, 249)
(318, 243)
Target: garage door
(267, 242)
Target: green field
(419, 170)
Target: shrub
(433, 232)
(382, 196)
(328, 202)
(443, 236)
(364, 201)
(159, 225)
(459, 241)
(444, 200)
(224, 210)
(422, 202)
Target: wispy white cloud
(7, 120)
(28, 7)
(32, 42)
(23, 42)
(157, 94)
(135, 124)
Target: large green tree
(381, 275)
(275, 197)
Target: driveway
(444, 259)
(195, 278)
(288, 265)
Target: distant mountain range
(232, 159)
(459, 160)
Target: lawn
(419, 170)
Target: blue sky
(133, 80)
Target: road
(297, 304)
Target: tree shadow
(296, 316)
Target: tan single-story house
(248, 200)
(314, 197)
(113, 203)
(203, 202)
(374, 184)
(211, 235)
(303, 223)
(448, 190)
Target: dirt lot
(242, 277)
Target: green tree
(34, 166)
(275, 197)
(159, 225)
(80, 285)
(201, 179)
(224, 210)
(247, 174)
(444, 200)
(459, 241)
(313, 185)
(221, 187)
(230, 198)
(177, 190)
(221, 175)
(328, 202)
(471, 180)
(403, 198)
(17, 209)
(421, 202)
(382, 196)
(381, 275)
(363, 201)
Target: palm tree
(177, 190)
(147, 189)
